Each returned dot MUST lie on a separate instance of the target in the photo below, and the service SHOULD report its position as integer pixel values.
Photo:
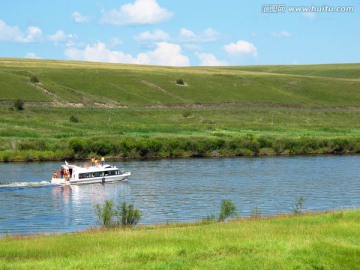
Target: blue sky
(182, 33)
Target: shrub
(227, 209)
(106, 213)
(125, 215)
(34, 79)
(180, 82)
(19, 104)
(298, 206)
(187, 114)
(128, 214)
(74, 119)
(80, 147)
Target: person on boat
(96, 162)
(92, 161)
(102, 161)
(54, 175)
(66, 174)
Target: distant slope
(346, 71)
(66, 83)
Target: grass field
(259, 110)
(320, 241)
(129, 85)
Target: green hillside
(115, 85)
(74, 110)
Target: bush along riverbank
(173, 146)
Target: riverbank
(316, 241)
(49, 134)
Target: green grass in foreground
(320, 241)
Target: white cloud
(31, 55)
(187, 34)
(14, 34)
(10, 33)
(61, 37)
(281, 34)
(208, 35)
(34, 34)
(139, 12)
(79, 18)
(208, 59)
(157, 35)
(309, 15)
(116, 42)
(166, 54)
(98, 53)
(241, 47)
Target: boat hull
(106, 179)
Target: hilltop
(86, 84)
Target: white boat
(76, 175)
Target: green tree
(128, 214)
(123, 215)
(227, 209)
(106, 213)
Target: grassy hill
(115, 85)
(132, 111)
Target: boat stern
(59, 181)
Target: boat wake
(25, 184)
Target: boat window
(98, 174)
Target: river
(176, 190)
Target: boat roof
(89, 168)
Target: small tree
(19, 104)
(124, 214)
(227, 209)
(128, 214)
(106, 213)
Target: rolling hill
(85, 84)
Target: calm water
(177, 190)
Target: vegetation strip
(315, 241)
